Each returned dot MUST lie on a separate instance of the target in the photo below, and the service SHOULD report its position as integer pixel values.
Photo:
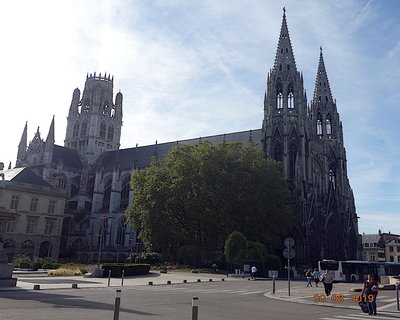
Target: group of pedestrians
(325, 277)
(369, 291)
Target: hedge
(129, 269)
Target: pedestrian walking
(253, 272)
(315, 276)
(370, 292)
(309, 277)
(327, 278)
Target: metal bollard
(195, 308)
(109, 277)
(117, 303)
(122, 278)
(397, 293)
(273, 284)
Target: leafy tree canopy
(201, 193)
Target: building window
(10, 226)
(83, 128)
(328, 126)
(103, 130)
(61, 183)
(391, 258)
(107, 194)
(373, 257)
(366, 245)
(14, 202)
(34, 203)
(319, 124)
(290, 95)
(52, 206)
(125, 193)
(110, 133)
(76, 129)
(49, 227)
(390, 249)
(31, 225)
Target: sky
(191, 69)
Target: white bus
(349, 271)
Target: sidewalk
(28, 281)
(344, 295)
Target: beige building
(392, 250)
(37, 211)
(381, 247)
(371, 250)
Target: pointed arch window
(278, 152)
(121, 233)
(76, 129)
(332, 176)
(328, 125)
(292, 160)
(279, 95)
(319, 124)
(110, 132)
(290, 97)
(103, 130)
(125, 192)
(107, 194)
(83, 128)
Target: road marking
(253, 292)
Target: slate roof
(24, 175)
(370, 238)
(69, 156)
(143, 155)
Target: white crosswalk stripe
(246, 291)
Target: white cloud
(189, 69)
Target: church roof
(70, 157)
(24, 175)
(142, 156)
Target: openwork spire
(322, 91)
(284, 59)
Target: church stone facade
(307, 137)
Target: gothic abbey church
(307, 137)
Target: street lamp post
(117, 252)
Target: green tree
(201, 193)
(234, 243)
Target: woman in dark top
(370, 291)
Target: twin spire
(285, 62)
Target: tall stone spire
(322, 91)
(48, 148)
(284, 59)
(22, 147)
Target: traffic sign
(289, 253)
(288, 242)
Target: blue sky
(196, 68)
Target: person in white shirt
(327, 278)
(253, 272)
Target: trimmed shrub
(130, 269)
(21, 261)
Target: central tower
(94, 122)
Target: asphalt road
(236, 300)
